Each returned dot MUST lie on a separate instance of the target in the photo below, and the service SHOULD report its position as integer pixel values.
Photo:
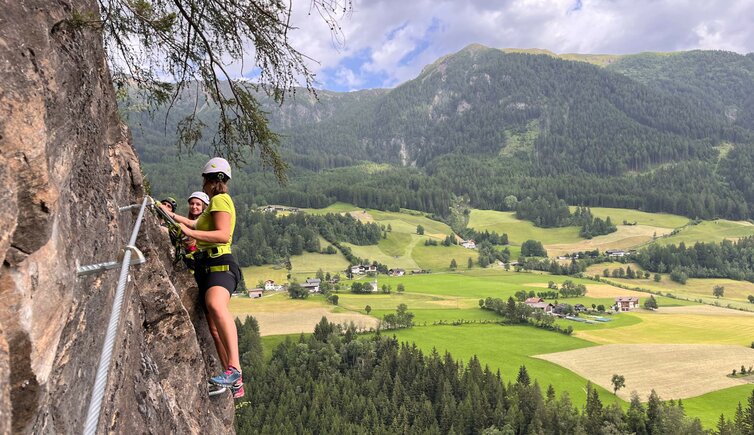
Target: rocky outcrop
(66, 165)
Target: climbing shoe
(237, 389)
(228, 378)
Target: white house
(269, 285)
(397, 272)
(626, 303)
(615, 253)
(362, 269)
(311, 284)
(469, 244)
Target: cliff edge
(66, 165)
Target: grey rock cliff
(66, 165)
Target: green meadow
(708, 407)
(709, 231)
(507, 348)
(520, 231)
(453, 296)
(618, 215)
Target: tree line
(727, 259)
(334, 381)
(548, 211)
(269, 238)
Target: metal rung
(128, 207)
(137, 258)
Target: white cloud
(380, 33)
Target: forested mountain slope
(486, 123)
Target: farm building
(580, 308)
(362, 269)
(255, 293)
(270, 285)
(562, 309)
(311, 284)
(469, 244)
(533, 301)
(626, 303)
(544, 306)
(615, 253)
(397, 272)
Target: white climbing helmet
(217, 165)
(201, 196)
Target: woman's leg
(219, 345)
(216, 300)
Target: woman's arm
(178, 218)
(221, 233)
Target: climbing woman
(216, 271)
(197, 202)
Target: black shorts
(207, 274)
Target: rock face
(66, 165)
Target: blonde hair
(213, 186)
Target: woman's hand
(185, 229)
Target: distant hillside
(717, 81)
(657, 132)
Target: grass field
(506, 348)
(306, 265)
(520, 231)
(618, 215)
(252, 275)
(708, 407)
(445, 296)
(681, 325)
(626, 237)
(710, 231)
(736, 292)
(672, 367)
(278, 314)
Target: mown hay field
(520, 231)
(710, 231)
(618, 215)
(626, 237)
(701, 324)
(288, 322)
(673, 370)
(736, 293)
(278, 314)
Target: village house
(275, 208)
(539, 304)
(616, 253)
(396, 272)
(312, 284)
(580, 308)
(626, 303)
(362, 269)
(256, 293)
(269, 285)
(561, 309)
(469, 244)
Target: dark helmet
(171, 202)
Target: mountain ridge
(524, 120)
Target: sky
(384, 43)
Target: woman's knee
(216, 300)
